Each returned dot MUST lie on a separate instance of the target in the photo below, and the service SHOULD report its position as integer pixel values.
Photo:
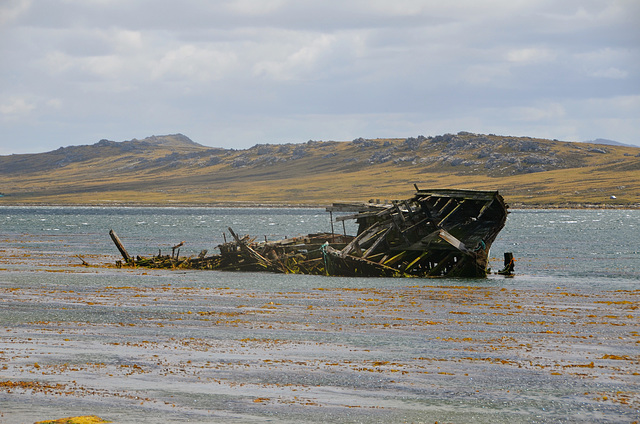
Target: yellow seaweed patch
(616, 357)
(611, 302)
(86, 419)
(224, 314)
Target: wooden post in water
(333, 237)
(118, 243)
(508, 264)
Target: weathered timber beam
(247, 249)
(441, 264)
(349, 247)
(446, 236)
(416, 225)
(484, 208)
(415, 261)
(356, 216)
(459, 194)
(373, 235)
(455, 208)
(375, 265)
(352, 207)
(394, 259)
(118, 243)
(400, 212)
(382, 237)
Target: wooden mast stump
(118, 243)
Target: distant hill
(172, 169)
(41, 162)
(609, 142)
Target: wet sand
(421, 352)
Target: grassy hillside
(175, 170)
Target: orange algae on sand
(86, 419)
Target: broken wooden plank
(376, 243)
(446, 236)
(246, 248)
(348, 248)
(120, 246)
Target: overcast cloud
(238, 73)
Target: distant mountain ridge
(40, 162)
(171, 140)
(609, 142)
(174, 168)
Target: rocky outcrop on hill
(466, 152)
(461, 153)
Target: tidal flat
(160, 350)
(558, 342)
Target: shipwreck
(435, 233)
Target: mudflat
(140, 346)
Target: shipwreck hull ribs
(435, 233)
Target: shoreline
(246, 205)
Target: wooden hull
(436, 233)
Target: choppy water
(581, 248)
(207, 346)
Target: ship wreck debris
(435, 233)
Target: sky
(243, 72)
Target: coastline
(245, 205)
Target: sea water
(208, 346)
(581, 248)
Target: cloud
(300, 62)
(546, 112)
(12, 9)
(194, 63)
(230, 72)
(16, 107)
(610, 73)
(531, 55)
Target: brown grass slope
(175, 170)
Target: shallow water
(556, 343)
